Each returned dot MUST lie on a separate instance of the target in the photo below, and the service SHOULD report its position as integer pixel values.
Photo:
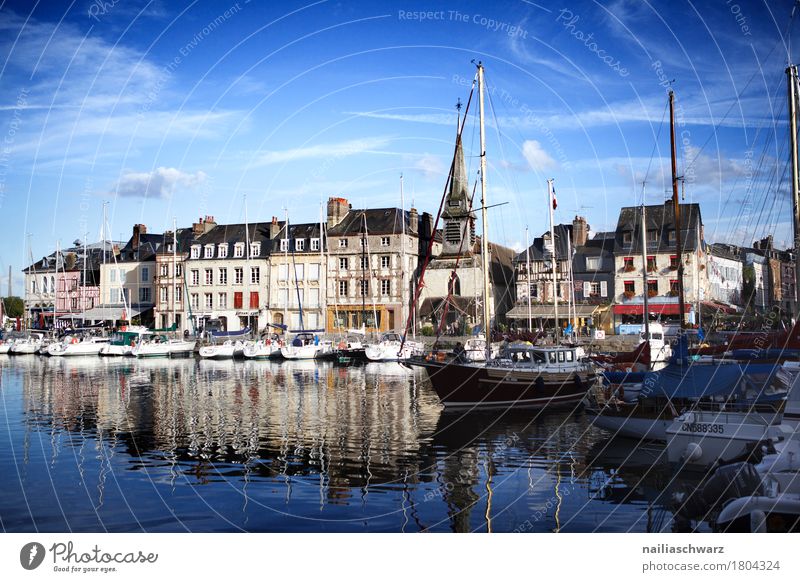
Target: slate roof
(94, 259)
(726, 251)
(149, 245)
(537, 250)
(661, 218)
(379, 221)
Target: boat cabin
(527, 354)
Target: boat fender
(694, 452)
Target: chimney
(274, 228)
(337, 210)
(427, 225)
(413, 221)
(580, 231)
(138, 231)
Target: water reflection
(185, 445)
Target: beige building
(374, 257)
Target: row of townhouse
(360, 268)
(357, 269)
(611, 272)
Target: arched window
(44, 285)
(455, 286)
(52, 284)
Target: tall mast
(791, 73)
(485, 222)
(83, 284)
(404, 302)
(174, 270)
(322, 273)
(646, 299)
(528, 277)
(677, 208)
(554, 256)
(288, 275)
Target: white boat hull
(702, 438)
(261, 351)
(164, 349)
(76, 349)
(25, 348)
(225, 351)
(4, 348)
(633, 427)
(309, 352)
(116, 351)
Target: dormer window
(238, 250)
(209, 252)
(255, 249)
(314, 244)
(284, 245)
(671, 236)
(342, 243)
(627, 237)
(363, 241)
(196, 251)
(222, 250)
(299, 244)
(384, 241)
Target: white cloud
(537, 158)
(160, 183)
(322, 151)
(431, 166)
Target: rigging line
(655, 146)
(762, 157)
(429, 251)
(718, 125)
(507, 281)
(465, 232)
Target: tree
(13, 307)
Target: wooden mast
(791, 73)
(677, 208)
(485, 221)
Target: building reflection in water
(295, 446)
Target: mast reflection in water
(94, 445)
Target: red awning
(653, 308)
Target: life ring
(74, 340)
(133, 343)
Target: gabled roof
(563, 232)
(661, 218)
(379, 221)
(94, 258)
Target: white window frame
(314, 244)
(387, 259)
(385, 241)
(222, 251)
(223, 276)
(386, 287)
(284, 245)
(255, 275)
(238, 250)
(342, 243)
(299, 244)
(195, 251)
(209, 252)
(255, 249)
(209, 277)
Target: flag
(555, 202)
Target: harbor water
(127, 445)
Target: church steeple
(459, 221)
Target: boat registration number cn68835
(703, 427)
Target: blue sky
(182, 109)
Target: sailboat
(525, 376)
